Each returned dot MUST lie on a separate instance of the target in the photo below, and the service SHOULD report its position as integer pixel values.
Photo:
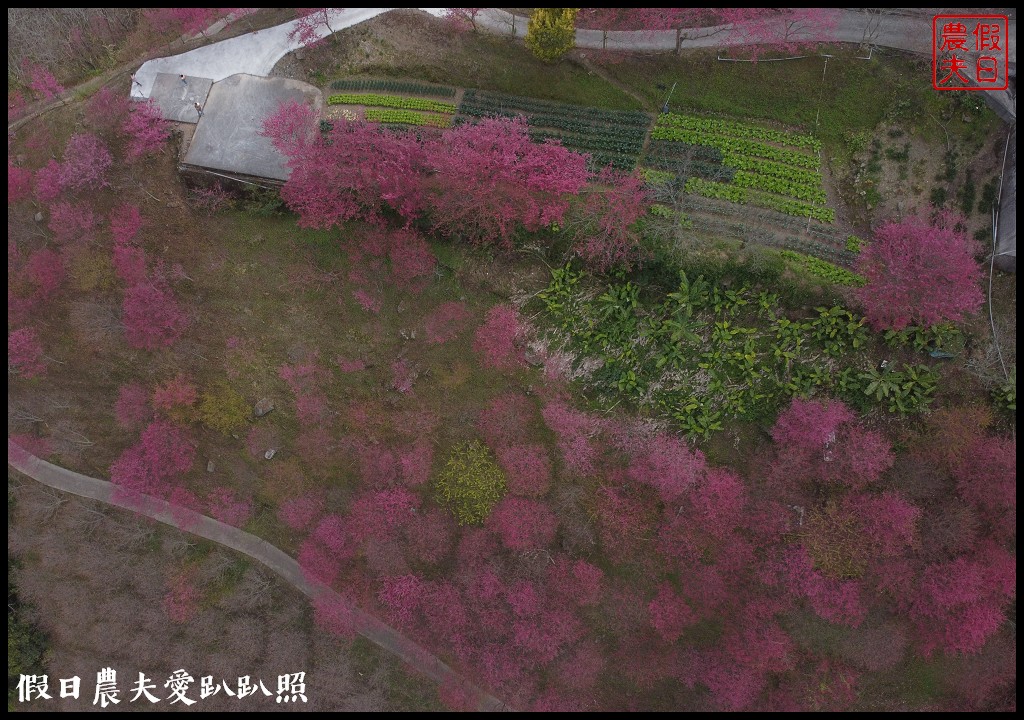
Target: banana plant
(881, 384)
(766, 304)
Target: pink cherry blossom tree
(25, 353)
(496, 340)
(152, 316)
(919, 273)
(310, 24)
(146, 129)
(488, 180)
(86, 162)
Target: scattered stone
(209, 466)
(39, 217)
(534, 359)
(269, 454)
(174, 204)
(264, 406)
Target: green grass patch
(482, 61)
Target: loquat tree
(471, 483)
(551, 32)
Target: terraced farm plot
(611, 137)
(743, 164)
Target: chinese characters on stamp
(970, 52)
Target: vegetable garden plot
(769, 168)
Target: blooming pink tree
(357, 170)
(445, 322)
(604, 223)
(46, 271)
(575, 431)
(919, 273)
(176, 396)
(152, 316)
(292, 128)
(106, 111)
(125, 223)
(488, 180)
(299, 513)
(670, 615)
(228, 507)
(86, 162)
(818, 442)
(72, 222)
(19, 182)
(780, 30)
(41, 81)
(188, 20)
(960, 604)
(462, 19)
(523, 524)
(48, 181)
(496, 340)
(527, 469)
(987, 479)
(576, 580)
(307, 28)
(24, 353)
(163, 451)
(412, 261)
(146, 129)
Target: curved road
(260, 550)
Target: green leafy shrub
(471, 483)
(223, 409)
(551, 32)
(1005, 396)
(854, 244)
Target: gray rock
(534, 359)
(39, 217)
(264, 406)
(269, 454)
(209, 466)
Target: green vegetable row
(407, 117)
(740, 195)
(779, 186)
(770, 167)
(394, 86)
(740, 130)
(737, 145)
(392, 101)
(825, 270)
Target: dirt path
(260, 550)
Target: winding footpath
(251, 546)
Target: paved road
(254, 53)
(260, 550)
